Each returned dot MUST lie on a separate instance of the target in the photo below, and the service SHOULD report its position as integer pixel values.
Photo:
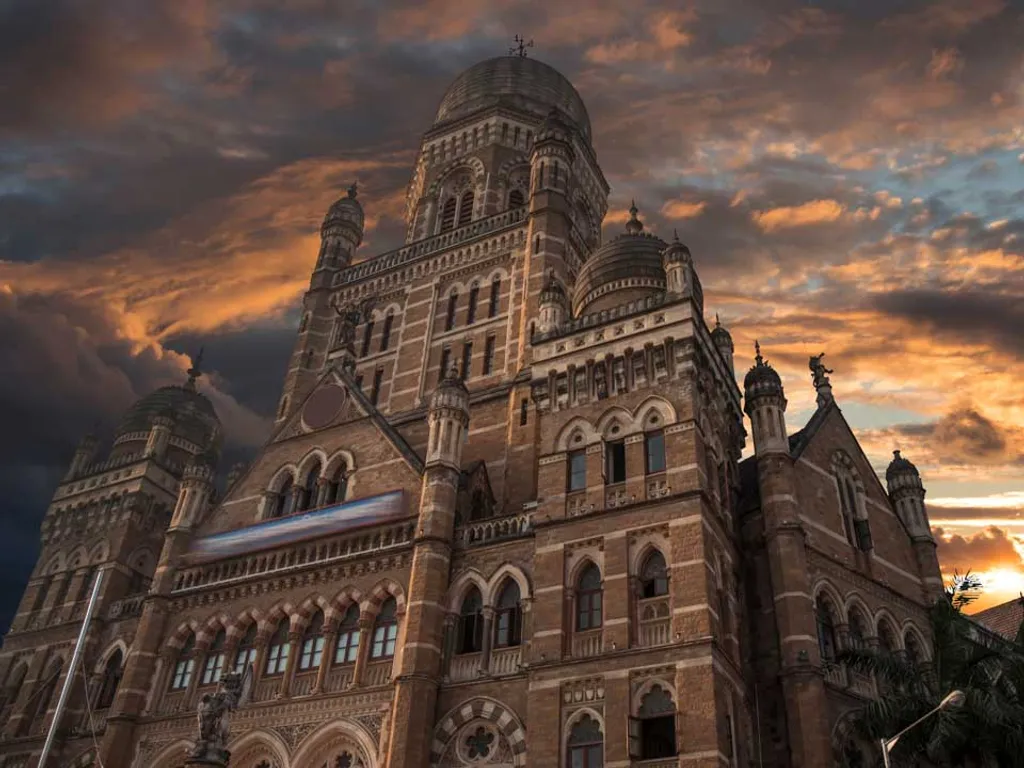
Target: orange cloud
(813, 212)
(681, 209)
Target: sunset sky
(849, 175)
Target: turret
(449, 418)
(765, 404)
(160, 435)
(84, 455)
(907, 493)
(554, 306)
(194, 493)
(723, 341)
(341, 233)
(680, 274)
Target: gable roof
(1003, 619)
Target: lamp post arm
(889, 743)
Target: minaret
(675, 258)
(194, 494)
(723, 341)
(550, 218)
(906, 491)
(554, 306)
(84, 454)
(765, 404)
(419, 669)
(340, 236)
(796, 661)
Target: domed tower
(723, 341)
(765, 404)
(626, 268)
(341, 233)
(906, 491)
(554, 306)
(680, 273)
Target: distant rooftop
(1003, 619)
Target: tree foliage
(986, 731)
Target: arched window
(886, 638)
(312, 643)
(826, 629)
(654, 452)
(277, 650)
(367, 336)
(385, 335)
(508, 620)
(515, 198)
(495, 298)
(347, 648)
(466, 208)
(653, 731)
(471, 623)
(448, 214)
(46, 692)
(858, 628)
(913, 649)
(385, 631)
(111, 678)
(246, 653)
(185, 664)
(654, 576)
(585, 745)
(309, 488)
(83, 589)
(474, 297)
(13, 686)
(214, 665)
(453, 303)
(588, 599)
(337, 486)
(284, 496)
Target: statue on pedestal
(213, 720)
(819, 375)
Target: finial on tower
(519, 49)
(718, 323)
(195, 371)
(675, 239)
(353, 189)
(634, 226)
(757, 352)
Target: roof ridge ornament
(820, 379)
(519, 49)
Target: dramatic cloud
(847, 176)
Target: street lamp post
(953, 699)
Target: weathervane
(519, 49)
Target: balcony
(267, 690)
(465, 666)
(586, 644)
(654, 626)
(378, 673)
(302, 684)
(495, 529)
(339, 679)
(173, 703)
(862, 684)
(506, 661)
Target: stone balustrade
(317, 552)
(835, 674)
(506, 661)
(267, 689)
(303, 684)
(586, 644)
(655, 621)
(126, 607)
(173, 702)
(465, 666)
(495, 529)
(378, 673)
(339, 679)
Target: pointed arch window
(453, 304)
(826, 629)
(246, 652)
(385, 335)
(13, 686)
(347, 647)
(312, 643)
(385, 631)
(448, 214)
(652, 733)
(309, 491)
(367, 337)
(654, 576)
(515, 198)
(277, 650)
(492, 302)
(214, 665)
(283, 499)
(87, 580)
(585, 745)
(474, 297)
(111, 679)
(858, 629)
(46, 692)
(577, 475)
(589, 596)
(466, 208)
(337, 486)
(886, 638)
(471, 623)
(913, 649)
(185, 664)
(508, 619)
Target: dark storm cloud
(965, 436)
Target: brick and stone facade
(587, 571)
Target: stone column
(363, 652)
(450, 623)
(627, 356)
(330, 640)
(294, 649)
(488, 639)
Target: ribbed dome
(761, 378)
(720, 335)
(345, 210)
(899, 466)
(625, 269)
(194, 417)
(519, 82)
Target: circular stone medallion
(323, 406)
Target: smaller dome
(676, 253)
(900, 466)
(719, 335)
(345, 212)
(761, 378)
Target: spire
(353, 190)
(675, 235)
(718, 322)
(634, 226)
(195, 371)
(757, 352)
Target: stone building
(502, 517)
